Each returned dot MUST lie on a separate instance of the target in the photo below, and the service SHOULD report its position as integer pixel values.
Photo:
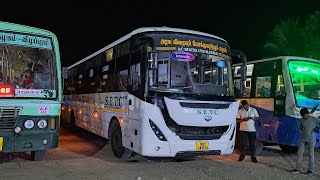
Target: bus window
(247, 90)
(263, 86)
(280, 86)
(135, 77)
(121, 75)
(163, 68)
(178, 74)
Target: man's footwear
(241, 158)
(254, 160)
(295, 171)
(310, 173)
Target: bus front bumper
(186, 148)
(11, 142)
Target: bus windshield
(306, 82)
(184, 72)
(27, 64)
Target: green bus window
(263, 86)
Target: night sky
(83, 28)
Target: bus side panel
(87, 113)
(288, 132)
(266, 126)
(150, 144)
(133, 132)
(274, 129)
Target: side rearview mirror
(243, 72)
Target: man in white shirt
(246, 117)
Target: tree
(291, 37)
(311, 35)
(285, 39)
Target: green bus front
(30, 90)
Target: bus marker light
(157, 148)
(121, 119)
(96, 115)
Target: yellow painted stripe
(1, 143)
(106, 109)
(254, 98)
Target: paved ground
(83, 155)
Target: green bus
(30, 90)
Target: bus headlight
(157, 131)
(29, 124)
(42, 123)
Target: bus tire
(259, 147)
(38, 155)
(116, 142)
(289, 149)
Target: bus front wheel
(288, 149)
(38, 155)
(116, 143)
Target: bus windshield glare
(184, 72)
(305, 78)
(28, 65)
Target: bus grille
(200, 133)
(205, 105)
(8, 116)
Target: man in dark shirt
(307, 125)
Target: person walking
(246, 117)
(307, 125)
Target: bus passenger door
(286, 127)
(135, 89)
(263, 100)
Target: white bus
(278, 88)
(157, 92)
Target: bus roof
(142, 30)
(275, 58)
(25, 29)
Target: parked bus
(157, 92)
(30, 90)
(278, 88)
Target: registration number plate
(202, 146)
(1, 143)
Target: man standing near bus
(308, 125)
(246, 117)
